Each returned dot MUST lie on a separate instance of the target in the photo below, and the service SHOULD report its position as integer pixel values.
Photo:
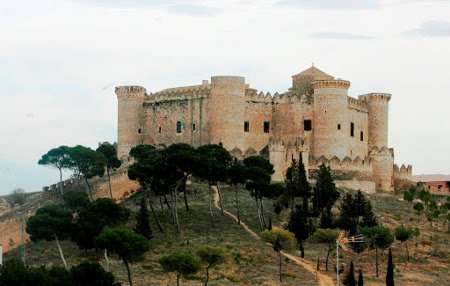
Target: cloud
(190, 8)
(432, 29)
(340, 36)
(332, 4)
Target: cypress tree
(143, 223)
(390, 270)
(351, 275)
(360, 279)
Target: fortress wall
(360, 120)
(121, 185)
(165, 114)
(256, 113)
(383, 168)
(11, 233)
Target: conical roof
(314, 72)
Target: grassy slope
(250, 262)
(423, 268)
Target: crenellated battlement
(383, 151)
(357, 104)
(131, 92)
(251, 95)
(375, 97)
(180, 93)
(327, 84)
(360, 164)
(404, 172)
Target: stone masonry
(315, 118)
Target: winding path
(324, 280)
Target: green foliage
(142, 221)
(325, 195)
(183, 263)
(91, 274)
(326, 235)
(57, 157)
(258, 172)
(418, 207)
(13, 272)
(378, 236)
(214, 161)
(75, 200)
(390, 270)
(299, 225)
(87, 162)
(425, 196)
(279, 238)
(48, 222)
(356, 212)
(236, 173)
(408, 196)
(211, 255)
(109, 151)
(127, 244)
(360, 278)
(403, 233)
(93, 218)
(350, 277)
(297, 185)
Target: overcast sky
(60, 61)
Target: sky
(60, 61)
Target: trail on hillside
(324, 280)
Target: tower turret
(331, 128)
(381, 156)
(130, 118)
(227, 106)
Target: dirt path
(324, 280)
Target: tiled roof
(431, 178)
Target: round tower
(378, 104)
(331, 127)
(226, 111)
(130, 118)
(382, 158)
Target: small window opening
(193, 126)
(178, 126)
(339, 126)
(439, 187)
(139, 131)
(266, 126)
(429, 187)
(246, 126)
(352, 129)
(361, 136)
(307, 125)
(159, 130)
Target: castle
(315, 119)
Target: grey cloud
(432, 29)
(332, 4)
(340, 35)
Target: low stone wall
(364, 186)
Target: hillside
(251, 262)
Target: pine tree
(369, 219)
(325, 195)
(143, 223)
(390, 270)
(360, 278)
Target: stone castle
(315, 119)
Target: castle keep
(315, 119)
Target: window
(339, 126)
(159, 130)
(352, 129)
(139, 131)
(178, 126)
(246, 126)
(193, 126)
(361, 136)
(266, 126)
(307, 125)
(439, 187)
